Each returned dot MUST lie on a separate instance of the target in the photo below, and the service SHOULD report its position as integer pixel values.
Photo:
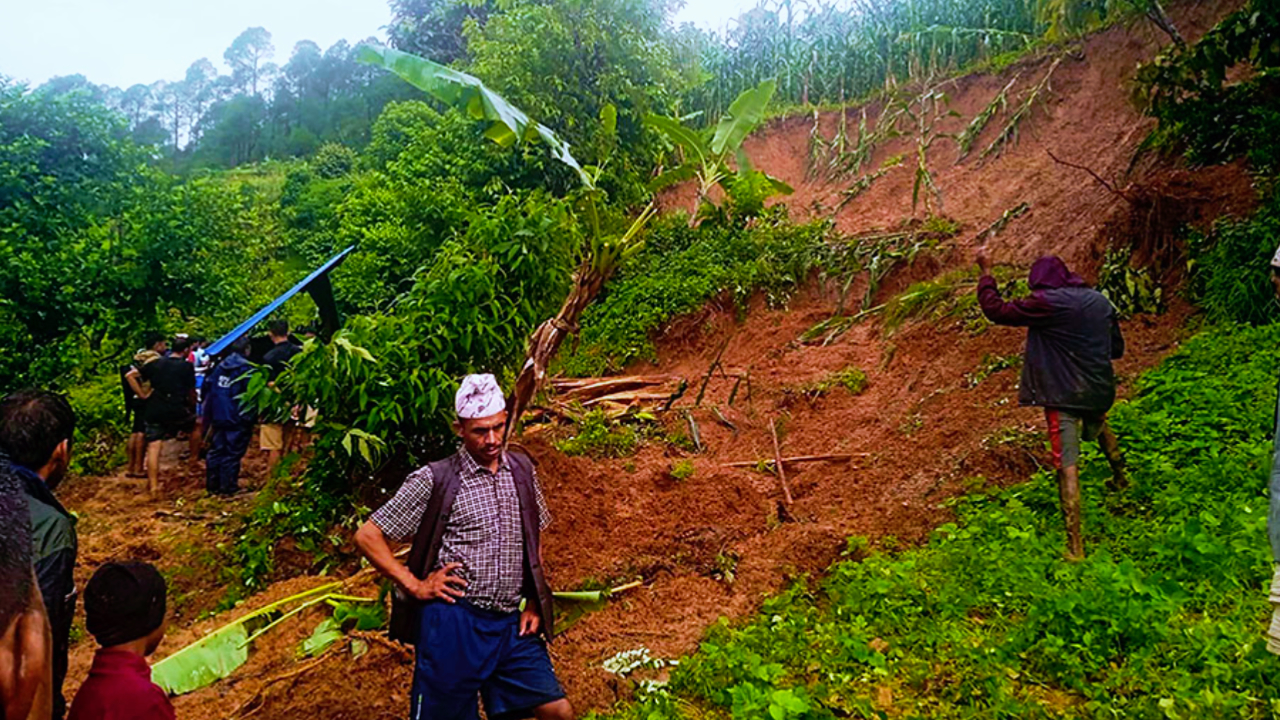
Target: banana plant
(606, 247)
(708, 161)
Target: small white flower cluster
(629, 661)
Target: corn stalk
(1009, 133)
(970, 134)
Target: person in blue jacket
(229, 420)
(1073, 334)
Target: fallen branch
(1110, 188)
(711, 371)
(843, 457)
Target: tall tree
(135, 103)
(433, 28)
(246, 56)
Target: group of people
(471, 596)
(171, 390)
(124, 602)
(175, 390)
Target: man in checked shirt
(480, 557)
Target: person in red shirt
(124, 605)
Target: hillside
(936, 411)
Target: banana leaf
(581, 603)
(508, 124)
(742, 117)
(218, 654)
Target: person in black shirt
(135, 400)
(274, 435)
(170, 409)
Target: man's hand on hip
(440, 585)
(530, 623)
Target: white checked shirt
(482, 532)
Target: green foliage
(990, 365)
(1163, 618)
(681, 268)
(682, 469)
(101, 425)
(1231, 266)
(98, 246)
(597, 436)
(565, 62)
(850, 378)
(828, 52)
(333, 161)
(316, 523)
(1133, 291)
(707, 160)
(1202, 105)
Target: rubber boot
(1111, 449)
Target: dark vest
(430, 538)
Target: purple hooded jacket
(1072, 337)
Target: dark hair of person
(15, 546)
(32, 424)
(241, 344)
(150, 339)
(279, 327)
(179, 345)
(195, 339)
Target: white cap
(479, 396)
(1275, 259)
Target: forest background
(185, 205)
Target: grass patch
(1164, 618)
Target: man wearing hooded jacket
(1073, 334)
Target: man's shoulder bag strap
(403, 625)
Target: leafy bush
(101, 426)
(1164, 618)
(1231, 267)
(682, 268)
(1203, 106)
(597, 436)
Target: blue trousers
(464, 652)
(227, 447)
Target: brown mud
(919, 432)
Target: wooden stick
(845, 457)
(777, 457)
(629, 396)
(710, 371)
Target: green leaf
(742, 117)
(609, 119)
(680, 135)
(326, 634)
(508, 124)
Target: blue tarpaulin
(317, 283)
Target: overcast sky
(122, 42)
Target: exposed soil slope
(920, 429)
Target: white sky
(122, 42)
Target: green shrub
(597, 436)
(102, 428)
(682, 469)
(678, 271)
(1231, 267)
